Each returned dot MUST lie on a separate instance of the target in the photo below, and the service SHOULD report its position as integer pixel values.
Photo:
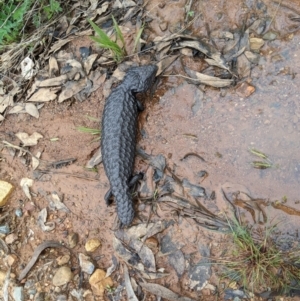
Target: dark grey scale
(119, 128)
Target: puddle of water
(223, 128)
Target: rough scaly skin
(119, 124)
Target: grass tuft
(91, 131)
(257, 263)
(105, 42)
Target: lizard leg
(108, 195)
(140, 106)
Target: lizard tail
(125, 207)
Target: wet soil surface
(220, 125)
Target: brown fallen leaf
(95, 160)
(52, 82)
(29, 140)
(145, 254)
(163, 292)
(243, 66)
(44, 94)
(41, 221)
(53, 67)
(32, 110)
(35, 160)
(88, 63)
(97, 79)
(245, 90)
(129, 290)
(18, 108)
(208, 50)
(165, 63)
(207, 79)
(25, 184)
(71, 88)
(5, 101)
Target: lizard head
(141, 78)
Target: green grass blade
(105, 42)
(137, 38)
(118, 31)
(92, 131)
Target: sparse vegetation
(88, 130)
(15, 15)
(257, 263)
(106, 42)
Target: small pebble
(62, 260)
(62, 276)
(256, 44)
(19, 212)
(40, 296)
(5, 191)
(18, 293)
(11, 238)
(62, 298)
(270, 36)
(4, 229)
(10, 259)
(31, 292)
(99, 283)
(29, 283)
(73, 239)
(86, 264)
(57, 289)
(92, 245)
(2, 277)
(244, 90)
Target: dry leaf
(27, 68)
(207, 50)
(5, 101)
(165, 63)
(44, 94)
(95, 160)
(97, 79)
(25, 184)
(113, 267)
(29, 140)
(32, 110)
(145, 254)
(19, 108)
(129, 290)
(60, 43)
(163, 292)
(243, 66)
(88, 64)
(103, 8)
(71, 88)
(53, 67)
(208, 80)
(35, 161)
(52, 82)
(41, 221)
(56, 204)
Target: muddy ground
(220, 125)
